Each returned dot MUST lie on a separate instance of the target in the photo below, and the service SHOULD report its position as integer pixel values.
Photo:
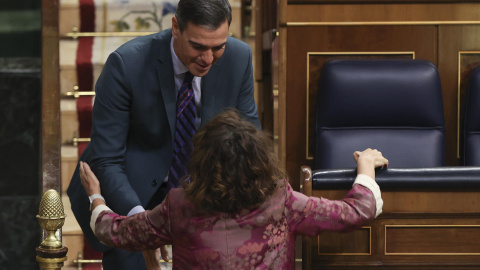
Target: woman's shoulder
(279, 195)
(177, 194)
(177, 198)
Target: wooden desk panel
(419, 201)
(417, 230)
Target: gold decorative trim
(77, 94)
(76, 141)
(459, 71)
(308, 80)
(297, 24)
(427, 226)
(81, 261)
(76, 35)
(350, 253)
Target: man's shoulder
(236, 50)
(237, 45)
(146, 42)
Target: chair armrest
(437, 178)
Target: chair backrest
(471, 145)
(394, 106)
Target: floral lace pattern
(261, 238)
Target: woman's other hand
(89, 180)
(368, 160)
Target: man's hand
(152, 257)
(164, 253)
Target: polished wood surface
(432, 240)
(420, 201)
(351, 243)
(50, 98)
(422, 13)
(375, 1)
(398, 242)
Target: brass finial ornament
(51, 254)
(51, 217)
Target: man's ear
(175, 29)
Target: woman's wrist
(96, 200)
(366, 165)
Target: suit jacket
(134, 118)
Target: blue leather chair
(392, 105)
(471, 150)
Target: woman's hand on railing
(368, 160)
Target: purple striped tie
(184, 131)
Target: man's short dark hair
(207, 13)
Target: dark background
(20, 132)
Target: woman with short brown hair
(233, 166)
(237, 209)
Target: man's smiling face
(199, 47)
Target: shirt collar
(178, 66)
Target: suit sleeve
(246, 102)
(110, 127)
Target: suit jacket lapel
(166, 81)
(210, 86)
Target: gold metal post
(51, 254)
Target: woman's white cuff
(369, 183)
(99, 209)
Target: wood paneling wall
(446, 33)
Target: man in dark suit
(134, 115)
